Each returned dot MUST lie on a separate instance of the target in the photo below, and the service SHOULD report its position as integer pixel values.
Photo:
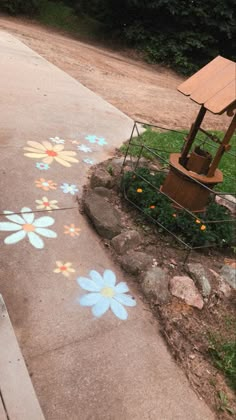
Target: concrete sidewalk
(83, 366)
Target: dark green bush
(192, 230)
(17, 7)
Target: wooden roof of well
(214, 86)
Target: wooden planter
(199, 161)
(185, 191)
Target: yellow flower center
(28, 227)
(107, 292)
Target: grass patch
(168, 142)
(223, 355)
(61, 16)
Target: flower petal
(58, 147)
(46, 232)
(62, 162)
(125, 300)
(44, 221)
(9, 226)
(97, 278)
(101, 307)
(90, 299)
(14, 217)
(28, 216)
(109, 278)
(36, 145)
(35, 240)
(48, 160)
(65, 154)
(88, 284)
(118, 310)
(15, 237)
(121, 288)
(35, 155)
(47, 145)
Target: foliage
(182, 34)
(164, 143)
(15, 7)
(223, 354)
(140, 187)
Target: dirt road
(144, 92)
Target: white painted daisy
(105, 294)
(25, 225)
(57, 140)
(84, 148)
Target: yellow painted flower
(139, 190)
(203, 227)
(64, 269)
(49, 152)
(46, 204)
(72, 230)
(198, 221)
(152, 207)
(45, 185)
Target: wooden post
(192, 135)
(229, 133)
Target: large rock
(228, 201)
(229, 275)
(126, 241)
(155, 285)
(101, 178)
(184, 288)
(104, 217)
(198, 274)
(136, 262)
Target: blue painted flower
(89, 161)
(69, 188)
(105, 294)
(98, 140)
(42, 166)
(25, 225)
(84, 148)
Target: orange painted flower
(139, 190)
(152, 207)
(64, 269)
(72, 230)
(203, 227)
(198, 221)
(45, 185)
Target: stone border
(191, 285)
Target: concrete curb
(18, 400)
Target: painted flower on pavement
(48, 152)
(25, 225)
(72, 230)
(42, 166)
(45, 185)
(64, 268)
(89, 161)
(46, 204)
(75, 142)
(69, 188)
(98, 140)
(84, 148)
(57, 140)
(105, 294)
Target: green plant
(223, 355)
(223, 404)
(142, 189)
(110, 170)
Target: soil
(143, 91)
(186, 329)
